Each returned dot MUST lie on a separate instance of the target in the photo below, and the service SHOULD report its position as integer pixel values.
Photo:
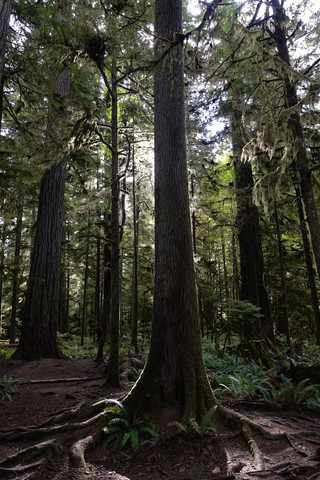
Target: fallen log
(64, 380)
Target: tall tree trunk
(309, 265)
(63, 295)
(16, 271)
(85, 285)
(5, 12)
(283, 323)
(134, 302)
(97, 289)
(249, 236)
(174, 373)
(298, 139)
(104, 324)
(40, 314)
(113, 373)
(2, 250)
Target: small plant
(290, 394)
(201, 428)
(72, 348)
(8, 386)
(122, 430)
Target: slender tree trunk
(225, 272)
(174, 373)
(134, 303)
(63, 300)
(104, 324)
(2, 250)
(309, 265)
(40, 314)
(85, 285)
(97, 290)
(113, 362)
(298, 139)
(236, 279)
(283, 325)
(16, 271)
(5, 12)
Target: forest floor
(295, 454)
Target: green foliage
(123, 430)
(232, 377)
(8, 386)
(6, 353)
(72, 348)
(286, 393)
(201, 428)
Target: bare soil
(295, 454)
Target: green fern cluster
(122, 430)
(9, 386)
(234, 378)
(287, 393)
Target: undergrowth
(233, 378)
(72, 348)
(8, 386)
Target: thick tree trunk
(251, 254)
(174, 373)
(298, 139)
(40, 315)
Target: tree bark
(2, 252)
(298, 139)
(104, 324)
(15, 280)
(40, 314)
(283, 322)
(113, 373)
(309, 265)
(174, 373)
(134, 301)
(5, 12)
(249, 236)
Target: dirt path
(176, 456)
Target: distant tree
(253, 287)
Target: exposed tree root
(87, 415)
(78, 450)
(253, 447)
(33, 449)
(22, 468)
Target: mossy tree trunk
(297, 134)
(5, 12)
(174, 373)
(249, 236)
